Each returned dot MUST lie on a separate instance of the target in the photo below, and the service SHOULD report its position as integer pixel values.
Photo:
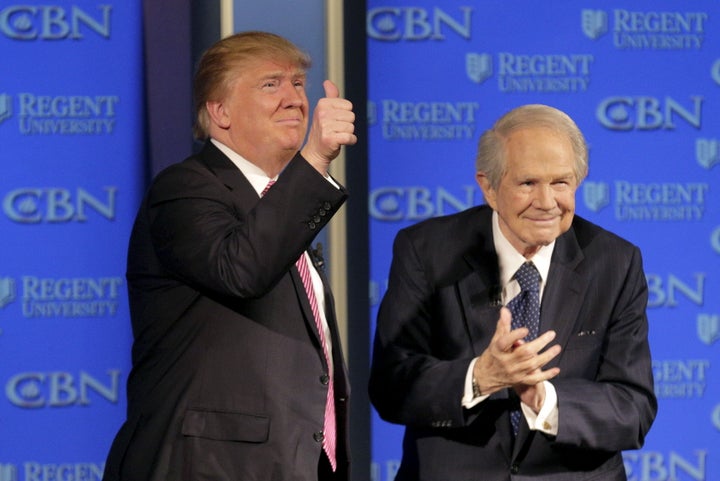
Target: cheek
(568, 211)
(566, 201)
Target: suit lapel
(479, 295)
(564, 292)
(230, 175)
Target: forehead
(533, 148)
(266, 67)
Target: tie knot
(528, 277)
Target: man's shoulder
(592, 235)
(471, 219)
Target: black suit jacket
(440, 311)
(228, 379)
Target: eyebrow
(281, 73)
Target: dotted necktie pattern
(329, 429)
(525, 309)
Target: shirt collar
(510, 259)
(254, 174)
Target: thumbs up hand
(332, 127)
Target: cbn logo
(594, 23)
(391, 24)
(7, 291)
(715, 72)
(715, 240)
(644, 113)
(33, 390)
(52, 22)
(30, 205)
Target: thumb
(331, 90)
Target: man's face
(267, 111)
(535, 200)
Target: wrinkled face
(535, 199)
(266, 111)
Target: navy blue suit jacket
(440, 311)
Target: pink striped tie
(329, 428)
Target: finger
(548, 355)
(539, 343)
(504, 337)
(503, 324)
(539, 376)
(529, 363)
(331, 90)
(526, 350)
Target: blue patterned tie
(525, 309)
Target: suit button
(327, 205)
(312, 225)
(324, 379)
(317, 218)
(318, 436)
(515, 468)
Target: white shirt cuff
(469, 400)
(546, 420)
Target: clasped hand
(509, 361)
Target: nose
(545, 197)
(293, 95)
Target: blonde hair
(225, 60)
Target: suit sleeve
(409, 383)
(232, 243)
(614, 409)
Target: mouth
(293, 121)
(543, 220)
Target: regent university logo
(7, 291)
(708, 328)
(594, 23)
(596, 195)
(5, 107)
(707, 152)
(478, 66)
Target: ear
(218, 115)
(489, 193)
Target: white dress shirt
(510, 261)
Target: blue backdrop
(642, 80)
(72, 157)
